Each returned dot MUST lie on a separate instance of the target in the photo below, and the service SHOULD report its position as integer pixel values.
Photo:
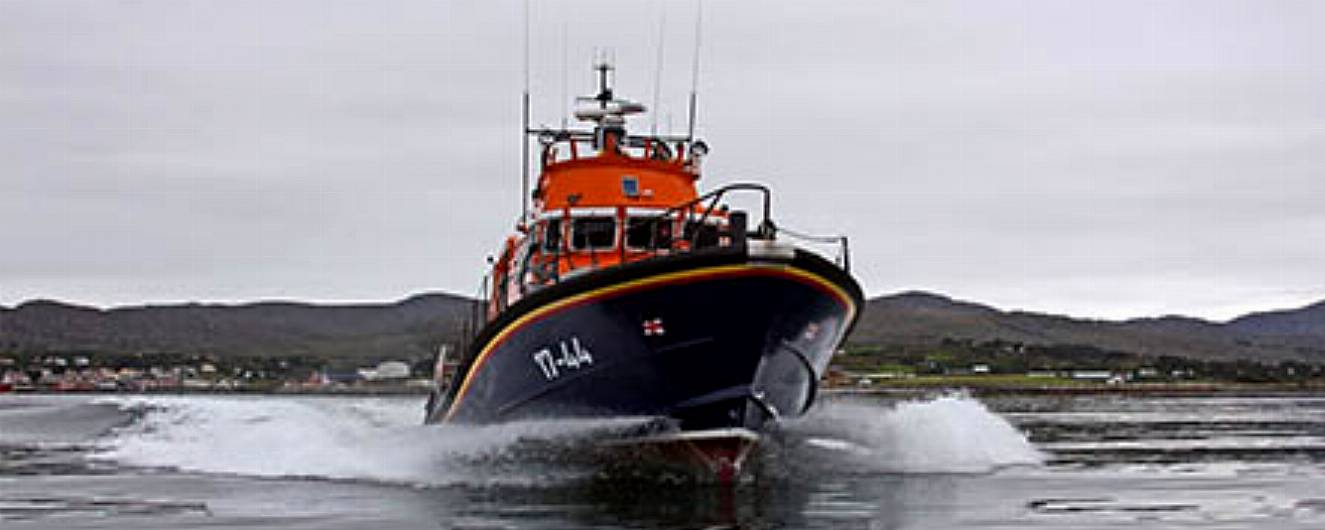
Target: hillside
(1305, 323)
(924, 318)
(413, 327)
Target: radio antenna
(565, 65)
(657, 72)
(694, 67)
(524, 126)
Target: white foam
(950, 434)
(367, 439)
(382, 440)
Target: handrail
(843, 258)
(766, 227)
(478, 312)
(648, 147)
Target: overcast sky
(1101, 159)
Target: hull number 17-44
(567, 354)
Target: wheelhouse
(605, 198)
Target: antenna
(524, 126)
(694, 68)
(565, 65)
(657, 73)
(604, 68)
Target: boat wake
(948, 434)
(378, 440)
(381, 440)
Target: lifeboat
(626, 292)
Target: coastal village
(861, 371)
(83, 373)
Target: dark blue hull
(710, 340)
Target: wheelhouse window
(648, 233)
(552, 235)
(593, 233)
(630, 186)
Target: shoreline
(377, 391)
(904, 390)
(1131, 389)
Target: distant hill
(415, 326)
(1307, 322)
(924, 318)
(412, 327)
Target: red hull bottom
(715, 455)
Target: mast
(657, 72)
(604, 85)
(694, 69)
(524, 126)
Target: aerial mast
(604, 68)
(524, 126)
(694, 69)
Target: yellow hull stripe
(674, 277)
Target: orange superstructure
(664, 174)
(603, 198)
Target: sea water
(944, 461)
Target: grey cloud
(1108, 159)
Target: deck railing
(700, 224)
(736, 225)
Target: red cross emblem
(653, 327)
